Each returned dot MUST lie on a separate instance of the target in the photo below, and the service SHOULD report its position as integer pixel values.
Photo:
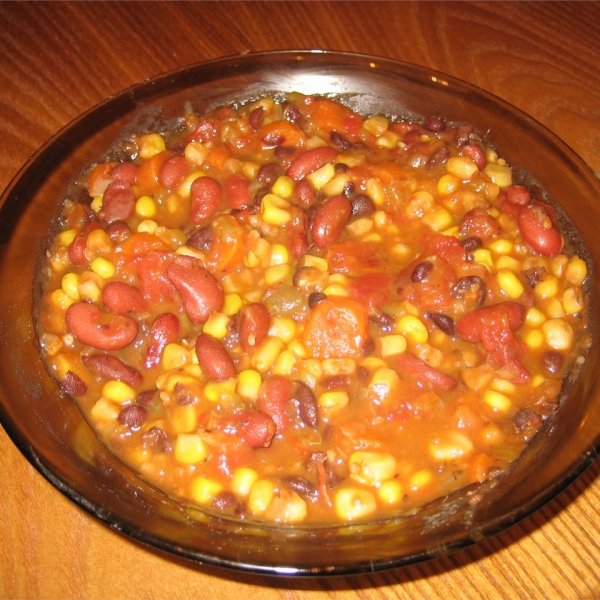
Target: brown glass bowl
(50, 431)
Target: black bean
(201, 239)
(292, 113)
(303, 487)
(470, 286)
(534, 275)
(255, 118)
(156, 439)
(463, 134)
(146, 398)
(439, 157)
(268, 173)
(133, 416)
(224, 501)
(443, 322)
(362, 205)
(527, 421)
(315, 298)
(306, 401)
(553, 361)
(260, 193)
(340, 141)
(383, 321)
(421, 272)
(349, 188)
(118, 231)
(471, 243)
(434, 124)
(336, 382)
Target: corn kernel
(336, 290)
(298, 349)
(354, 503)
(534, 317)
(482, 256)
(242, 481)
(548, 288)
(90, 286)
(439, 219)
(497, 401)
(501, 175)
(503, 385)
(274, 210)
(175, 356)
(285, 363)
(185, 185)
(383, 384)
(508, 262)
(316, 262)
(195, 153)
(248, 383)
(169, 381)
(376, 125)
(149, 145)
(371, 468)
(555, 310)
(413, 329)
(147, 226)
(534, 339)
(203, 490)
(338, 366)
(372, 362)
(217, 325)
(322, 176)
(571, 300)
(501, 246)
(420, 479)
(576, 271)
(98, 242)
(283, 187)
(189, 449)
(336, 185)
(447, 184)
(284, 329)
(375, 190)
(335, 399)
(276, 274)
(103, 410)
(250, 170)
(232, 304)
(65, 238)
(390, 492)
(313, 370)
(537, 380)
(510, 283)
(450, 445)
(279, 255)
(491, 434)
(261, 494)
(251, 260)
(70, 285)
(220, 391)
(184, 419)
(145, 207)
(389, 345)
(558, 333)
(461, 167)
(119, 392)
(389, 139)
(315, 142)
(360, 227)
(264, 357)
(103, 267)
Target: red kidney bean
(539, 231)
(205, 131)
(201, 239)
(421, 272)
(73, 384)
(122, 298)
(213, 358)
(517, 194)
(147, 397)
(99, 329)
(292, 113)
(463, 134)
(107, 366)
(425, 373)
(475, 153)
(256, 428)
(306, 400)
(330, 220)
(310, 161)
(273, 396)
(201, 292)
(255, 118)
(439, 157)
(118, 203)
(478, 223)
(237, 192)
(298, 244)
(205, 198)
(126, 172)
(443, 322)
(362, 205)
(78, 245)
(118, 231)
(470, 326)
(305, 193)
(268, 173)
(435, 124)
(471, 243)
(340, 141)
(255, 321)
(133, 416)
(173, 170)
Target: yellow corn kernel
(220, 391)
(450, 445)
(266, 354)
(168, 381)
(149, 145)
(261, 495)
(390, 492)
(250, 169)
(335, 186)
(90, 286)
(491, 434)
(185, 185)
(184, 419)
(242, 481)
(284, 364)
(276, 274)
(147, 226)
(372, 362)
(248, 383)
(439, 219)
(482, 256)
(389, 139)
(195, 153)
(389, 345)
(175, 356)
(336, 290)
(338, 366)
(103, 410)
(70, 285)
(576, 271)
(194, 369)
(217, 325)
(203, 490)
(534, 339)
(501, 175)
(497, 401)
(313, 369)
(510, 283)
(461, 167)
(375, 190)
(501, 246)
(447, 184)
(360, 227)
(96, 204)
(420, 479)
(251, 260)
(65, 238)
(283, 187)
(548, 288)
(537, 380)
(282, 328)
(98, 242)
(571, 300)
(103, 267)
(275, 210)
(558, 264)
(117, 391)
(316, 262)
(558, 334)
(371, 468)
(335, 399)
(354, 503)
(145, 207)
(314, 142)
(383, 384)
(503, 385)
(189, 449)
(279, 255)
(376, 125)
(508, 262)
(232, 304)
(413, 329)
(534, 317)
(298, 349)
(322, 176)
(555, 310)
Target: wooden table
(57, 60)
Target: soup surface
(288, 312)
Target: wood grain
(59, 59)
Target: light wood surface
(59, 59)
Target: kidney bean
(213, 358)
(107, 366)
(273, 396)
(237, 192)
(255, 321)
(272, 139)
(201, 239)
(127, 172)
(292, 113)
(425, 373)
(439, 157)
(539, 231)
(201, 292)
(471, 243)
(463, 134)
(471, 287)
(517, 194)
(118, 203)
(268, 173)
(475, 153)
(147, 397)
(362, 205)
(205, 198)
(434, 124)
(256, 428)
(133, 416)
(306, 402)
(340, 141)
(164, 330)
(478, 223)
(305, 193)
(205, 131)
(382, 320)
(472, 324)
(310, 161)
(118, 231)
(421, 272)
(302, 486)
(298, 244)
(73, 385)
(122, 298)
(156, 439)
(99, 329)
(443, 322)
(255, 117)
(173, 170)
(330, 220)
(78, 245)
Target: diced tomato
(357, 258)
(290, 134)
(333, 116)
(373, 289)
(148, 182)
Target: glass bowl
(50, 431)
